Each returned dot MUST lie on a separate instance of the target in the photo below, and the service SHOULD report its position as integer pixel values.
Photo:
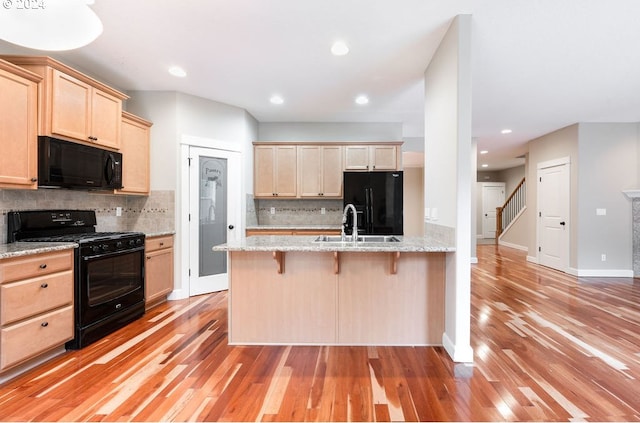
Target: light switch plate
(273, 210)
(601, 212)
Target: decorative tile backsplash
(296, 212)
(155, 213)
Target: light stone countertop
(407, 244)
(159, 233)
(295, 227)
(17, 249)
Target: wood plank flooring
(548, 346)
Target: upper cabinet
(18, 118)
(136, 133)
(74, 106)
(375, 157)
(320, 171)
(275, 171)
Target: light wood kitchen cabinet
(158, 269)
(18, 123)
(275, 171)
(74, 106)
(136, 136)
(320, 171)
(36, 305)
(376, 157)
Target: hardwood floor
(548, 346)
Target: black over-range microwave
(64, 164)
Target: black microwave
(64, 164)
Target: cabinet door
(356, 157)
(332, 171)
(158, 274)
(310, 171)
(135, 162)
(264, 171)
(18, 114)
(106, 115)
(286, 171)
(71, 107)
(383, 157)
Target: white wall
(316, 132)
(607, 165)
(448, 174)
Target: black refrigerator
(377, 197)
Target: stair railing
(514, 204)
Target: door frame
(186, 142)
(566, 241)
(484, 185)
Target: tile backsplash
(296, 212)
(155, 213)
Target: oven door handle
(112, 254)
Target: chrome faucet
(354, 232)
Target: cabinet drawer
(156, 243)
(27, 339)
(23, 299)
(34, 266)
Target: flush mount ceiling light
(51, 25)
(362, 99)
(506, 131)
(339, 48)
(484, 152)
(485, 165)
(177, 71)
(276, 99)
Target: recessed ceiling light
(362, 99)
(484, 151)
(485, 165)
(276, 99)
(506, 131)
(177, 71)
(339, 48)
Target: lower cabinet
(158, 269)
(36, 305)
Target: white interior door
(553, 216)
(214, 215)
(492, 197)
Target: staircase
(511, 208)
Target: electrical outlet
(273, 210)
(323, 210)
(118, 211)
(603, 257)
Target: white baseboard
(178, 294)
(532, 259)
(474, 260)
(516, 246)
(601, 273)
(458, 353)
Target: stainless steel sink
(362, 238)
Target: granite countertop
(159, 233)
(17, 249)
(305, 243)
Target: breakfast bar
(308, 290)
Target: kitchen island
(288, 290)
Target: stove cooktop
(84, 237)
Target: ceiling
(537, 65)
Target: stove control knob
(119, 244)
(105, 247)
(132, 242)
(95, 248)
(139, 241)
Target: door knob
(231, 226)
(562, 223)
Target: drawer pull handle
(44, 285)
(148, 257)
(43, 266)
(162, 244)
(44, 324)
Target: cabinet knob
(44, 285)
(43, 266)
(34, 179)
(162, 244)
(231, 226)
(148, 257)
(44, 324)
